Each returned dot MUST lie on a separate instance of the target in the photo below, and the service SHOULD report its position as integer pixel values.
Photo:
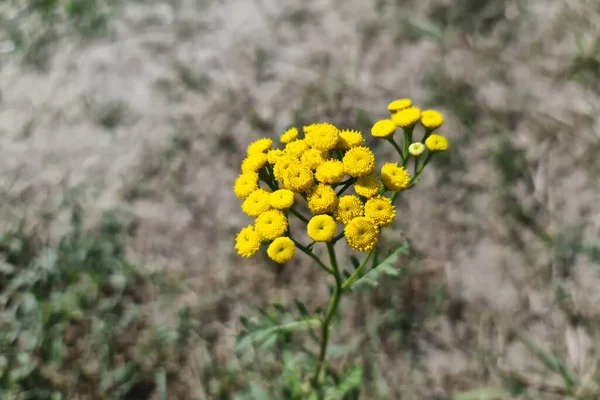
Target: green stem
(300, 216)
(348, 183)
(398, 149)
(312, 255)
(348, 284)
(334, 302)
(338, 237)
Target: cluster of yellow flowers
(318, 169)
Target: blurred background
(122, 128)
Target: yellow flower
(282, 165)
(254, 162)
(312, 158)
(383, 129)
(407, 117)
(271, 224)
(322, 199)
(260, 146)
(298, 178)
(331, 172)
(436, 143)
(361, 234)
(289, 136)
(381, 210)
(322, 137)
(349, 139)
(245, 184)
(349, 207)
(247, 242)
(274, 155)
(257, 203)
(321, 228)
(296, 148)
(281, 199)
(367, 186)
(394, 177)
(281, 250)
(416, 149)
(431, 119)
(399, 104)
(359, 161)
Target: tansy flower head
(331, 172)
(407, 117)
(349, 207)
(321, 228)
(361, 234)
(298, 178)
(323, 136)
(394, 178)
(254, 162)
(274, 155)
(283, 163)
(399, 104)
(381, 210)
(289, 136)
(367, 186)
(416, 149)
(359, 161)
(271, 224)
(257, 203)
(383, 129)
(260, 146)
(349, 139)
(245, 184)
(247, 242)
(296, 148)
(281, 250)
(281, 199)
(322, 199)
(312, 158)
(431, 119)
(436, 143)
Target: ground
(153, 116)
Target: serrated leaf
(260, 335)
(386, 267)
(349, 383)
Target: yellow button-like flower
(359, 161)
(331, 171)
(416, 149)
(367, 186)
(257, 203)
(254, 162)
(312, 158)
(247, 242)
(271, 224)
(407, 117)
(399, 104)
(431, 119)
(274, 155)
(298, 178)
(296, 148)
(289, 136)
(384, 129)
(349, 207)
(281, 250)
(322, 199)
(245, 184)
(381, 210)
(260, 146)
(349, 139)
(281, 199)
(283, 163)
(394, 178)
(322, 137)
(321, 228)
(361, 234)
(436, 143)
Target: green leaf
(482, 394)
(260, 335)
(426, 28)
(161, 385)
(301, 308)
(258, 392)
(351, 381)
(386, 267)
(355, 262)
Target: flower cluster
(318, 169)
